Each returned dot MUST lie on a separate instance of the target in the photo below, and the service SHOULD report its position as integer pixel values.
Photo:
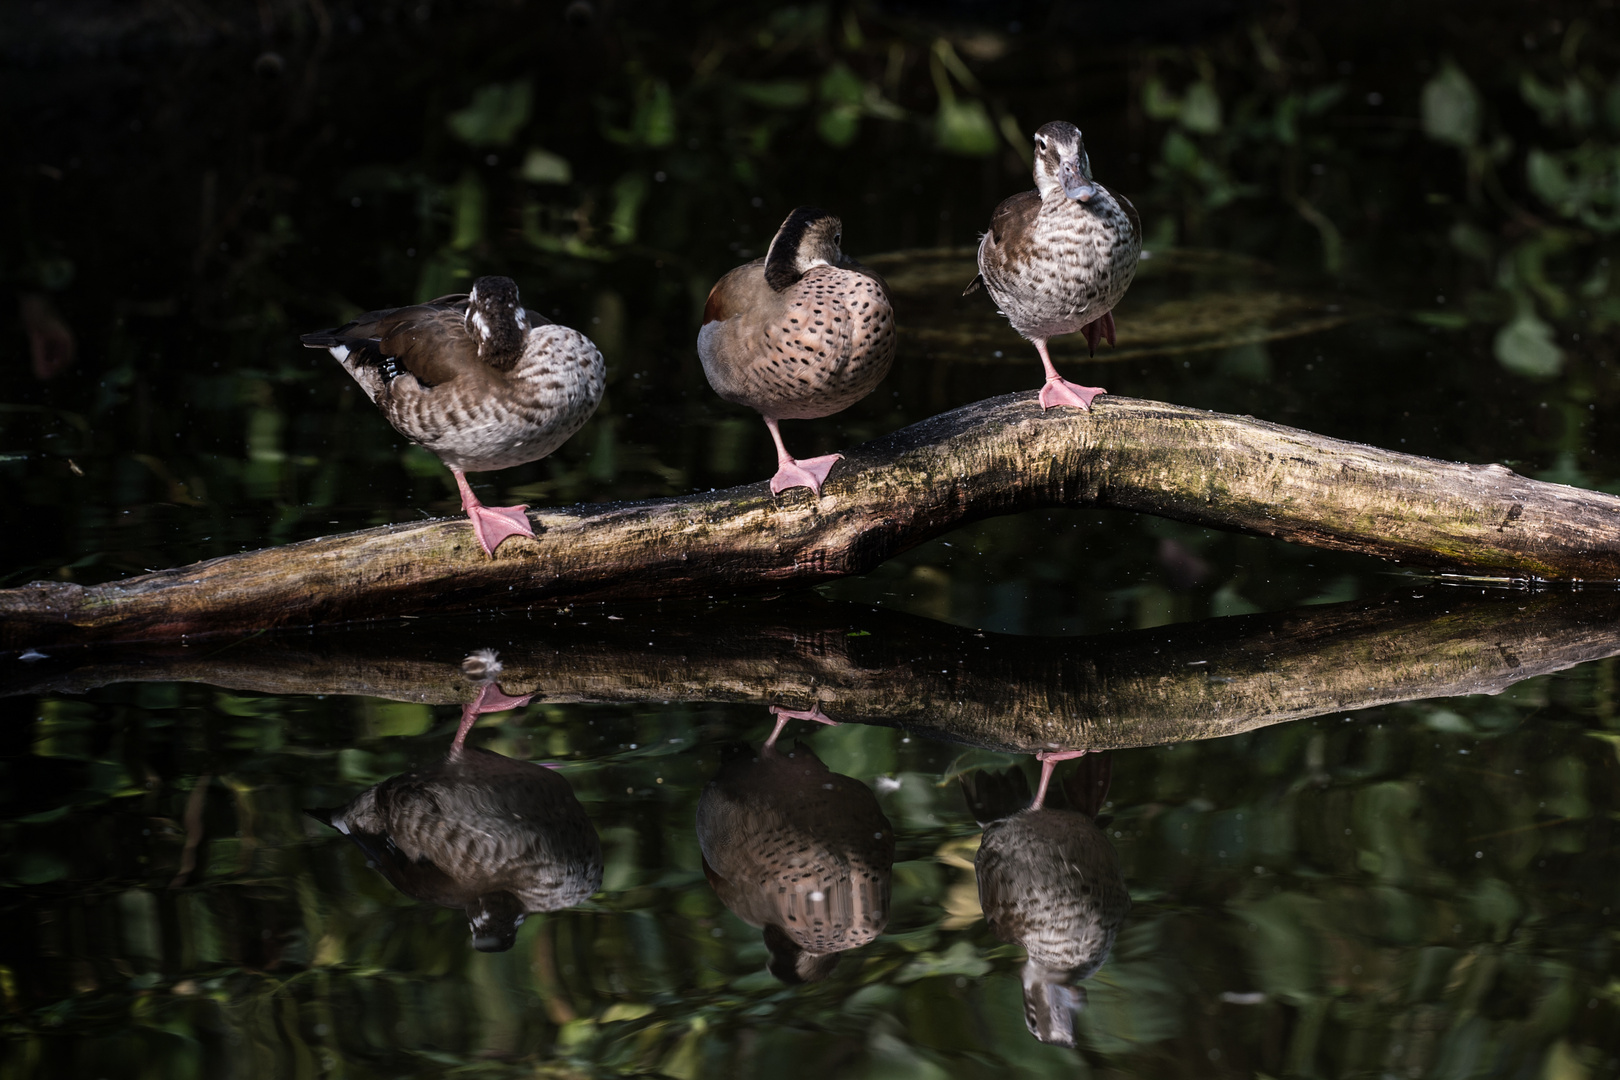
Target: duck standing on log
(798, 850)
(476, 379)
(499, 838)
(1057, 259)
(1050, 881)
(800, 334)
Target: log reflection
(1146, 687)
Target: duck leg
(784, 715)
(491, 698)
(1060, 391)
(1049, 760)
(1098, 328)
(810, 473)
(492, 523)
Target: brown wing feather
(1011, 226)
(728, 298)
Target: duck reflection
(1049, 880)
(798, 850)
(499, 838)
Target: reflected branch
(1000, 456)
(1023, 694)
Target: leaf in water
(839, 124)
(1158, 102)
(626, 1010)
(1548, 180)
(842, 86)
(655, 117)
(544, 167)
(628, 194)
(467, 202)
(1451, 108)
(1525, 345)
(1201, 109)
(964, 127)
(1283, 945)
(37, 868)
(960, 959)
(781, 94)
(495, 115)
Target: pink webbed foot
(1049, 760)
(810, 473)
(495, 523)
(1060, 391)
(490, 699)
(784, 715)
(491, 524)
(1098, 328)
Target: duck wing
(1011, 235)
(430, 341)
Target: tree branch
(1000, 456)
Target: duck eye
(838, 238)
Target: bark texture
(999, 456)
(1145, 687)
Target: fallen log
(1178, 683)
(1000, 456)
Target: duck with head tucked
(800, 334)
(499, 838)
(1057, 259)
(800, 851)
(478, 380)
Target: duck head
(809, 237)
(497, 320)
(495, 918)
(1051, 1005)
(792, 963)
(1061, 163)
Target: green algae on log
(1000, 456)
(1178, 683)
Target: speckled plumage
(800, 851)
(497, 837)
(478, 379)
(800, 334)
(1050, 881)
(1056, 260)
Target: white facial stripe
(480, 325)
(341, 352)
(522, 320)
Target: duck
(476, 378)
(1057, 259)
(802, 333)
(499, 838)
(797, 850)
(1050, 881)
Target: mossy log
(1142, 687)
(999, 456)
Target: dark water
(1366, 821)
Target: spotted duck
(1057, 259)
(499, 838)
(799, 851)
(800, 334)
(478, 380)
(1049, 880)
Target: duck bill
(1075, 184)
